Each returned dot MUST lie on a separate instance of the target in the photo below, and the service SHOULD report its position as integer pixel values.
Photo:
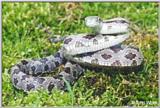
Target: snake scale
(101, 49)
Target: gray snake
(101, 49)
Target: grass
(24, 34)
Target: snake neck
(97, 28)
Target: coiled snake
(103, 49)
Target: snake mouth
(92, 24)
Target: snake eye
(98, 19)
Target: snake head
(92, 21)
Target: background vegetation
(27, 26)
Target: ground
(27, 26)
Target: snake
(102, 49)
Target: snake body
(102, 49)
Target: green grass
(23, 38)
